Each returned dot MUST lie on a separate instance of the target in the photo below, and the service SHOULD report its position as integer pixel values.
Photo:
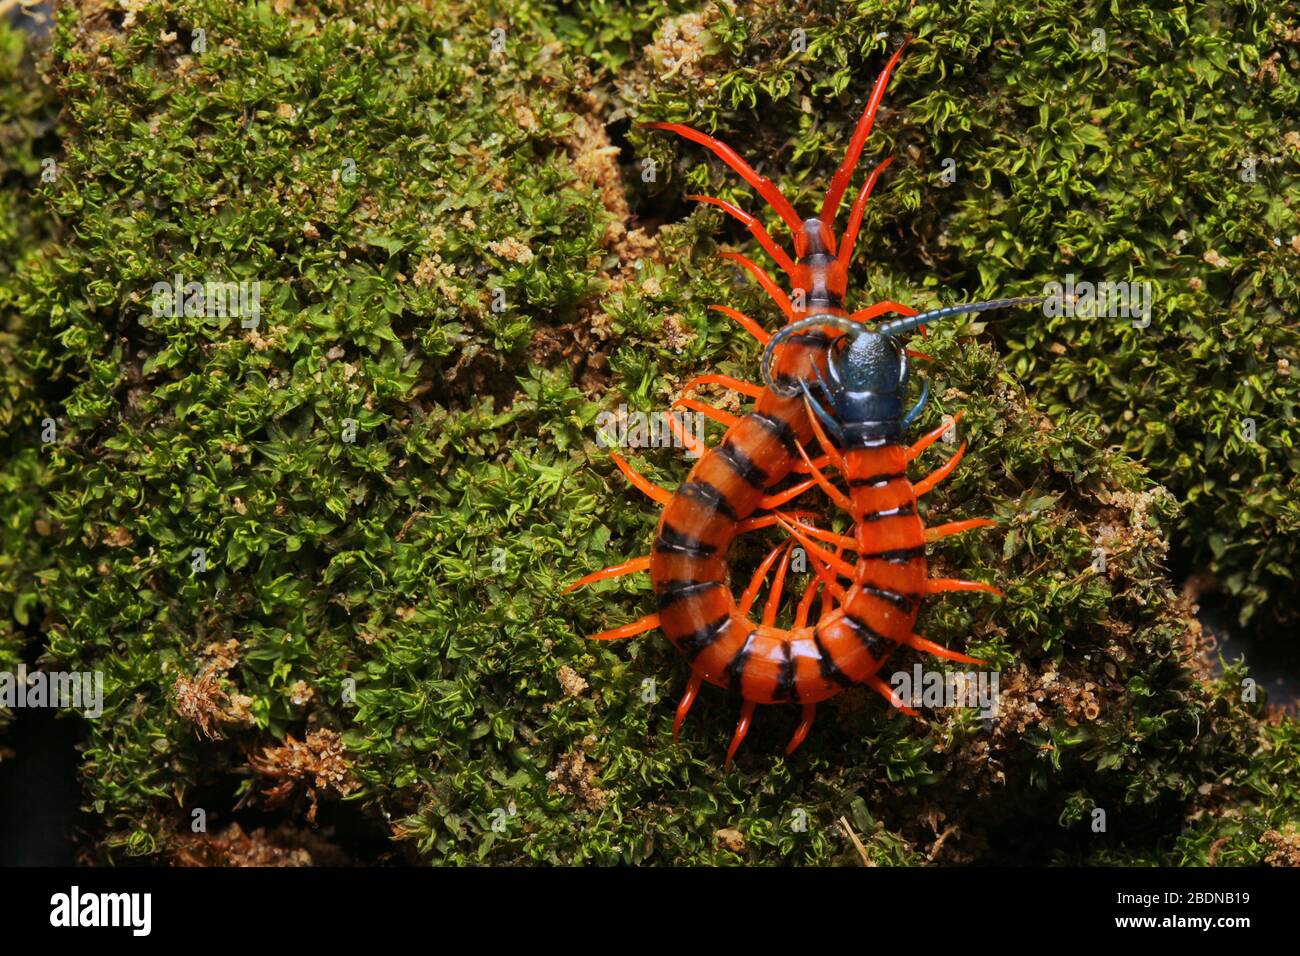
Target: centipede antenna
(794, 328)
(903, 326)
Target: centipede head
(866, 385)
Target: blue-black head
(865, 385)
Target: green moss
(421, 564)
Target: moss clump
(391, 476)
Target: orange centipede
(827, 376)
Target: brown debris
(1284, 846)
(571, 682)
(278, 846)
(731, 839)
(316, 765)
(573, 776)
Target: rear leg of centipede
(766, 188)
(749, 325)
(756, 230)
(773, 290)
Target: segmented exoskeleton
(735, 479)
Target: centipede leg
(940, 585)
(774, 595)
(938, 650)
(832, 454)
(820, 462)
(805, 603)
(717, 414)
(613, 571)
(760, 574)
(840, 499)
(689, 441)
(801, 732)
(684, 705)
(766, 521)
(641, 483)
(957, 527)
(927, 483)
(844, 175)
(647, 623)
(880, 687)
(821, 534)
(756, 230)
(765, 187)
(850, 237)
(773, 290)
(928, 439)
(770, 502)
(839, 565)
(735, 384)
(742, 728)
(748, 324)
(880, 308)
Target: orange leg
(880, 687)
(840, 499)
(760, 573)
(750, 326)
(938, 650)
(735, 384)
(855, 216)
(765, 187)
(821, 534)
(774, 595)
(742, 728)
(642, 484)
(805, 604)
(817, 551)
(688, 440)
(801, 732)
(939, 474)
(614, 571)
(647, 623)
(717, 414)
(794, 491)
(766, 521)
(933, 436)
(843, 175)
(957, 527)
(831, 586)
(939, 585)
(756, 230)
(821, 462)
(684, 705)
(765, 280)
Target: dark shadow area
(39, 793)
(1274, 661)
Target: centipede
(832, 381)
